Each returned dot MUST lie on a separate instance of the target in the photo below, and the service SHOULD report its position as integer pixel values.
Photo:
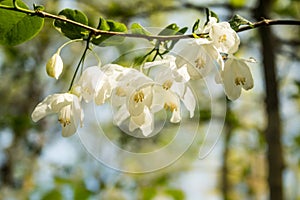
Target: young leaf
(16, 27)
(108, 40)
(209, 14)
(69, 30)
(116, 26)
(213, 14)
(103, 25)
(196, 25)
(138, 29)
(236, 21)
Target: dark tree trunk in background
(225, 184)
(273, 130)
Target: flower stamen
(167, 84)
(171, 106)
(222, 38)
(139, 97)
(120, 92)
(64, 122)
(200, 63)
(240, 80)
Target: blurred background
(257, 154)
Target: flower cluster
(137, 96)
(217, 50)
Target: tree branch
(96, 32)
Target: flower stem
(80, 61)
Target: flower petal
(189, 101)
(121, 115)
(51, 104)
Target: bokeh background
(255, 156)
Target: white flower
(200, 57)
(54, 66)
(132, 97)
(68, 108)
(175, 80)
(139, 104)
(224, 38)
(165, 98)
(235, 76)
(95, 85)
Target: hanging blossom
(200, 57)
(223, 37)
(132, 97)
(203, 54)
(235, 76)
(95, 85)
(67, 106)
(173, 87)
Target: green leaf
(16, 27)
(236, 21)
(38, 7)
(69, 30)
(103, 25)
(213, 14)
(109, 40)
(171, 29)
(138, 29)
(116, 26)
(196, 25)
(209, 14)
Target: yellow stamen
(139, 97)
(171, 106)
(240, 80)
(64, 122)
(200, 63)
(120, 92)
(222, 38)
(167, 84)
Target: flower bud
(54, 66)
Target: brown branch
(268, 22)
(96, 32)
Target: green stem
(80, 61)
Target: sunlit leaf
(109, 40)
(138, 29)
(196, 25)
(236, 21)
(16, 27)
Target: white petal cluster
(138, 97)
(135, 96)
(216, 51)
